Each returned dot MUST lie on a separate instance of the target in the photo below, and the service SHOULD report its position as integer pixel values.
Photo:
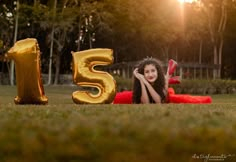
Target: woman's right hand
(137, 74)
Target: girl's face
(150, 73)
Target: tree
(60, 19)
(9, 21)
(217, 16)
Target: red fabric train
(125, 97)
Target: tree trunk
(217, 37)
(200, 52)
(165, 51)
(221, 30)
(60, 43)
(78, 40)
(12, 67)
(176, 54)
(79, 26)
(215, 61)
(220, 57)
(57, 73)
(200, 57)
(50, 58)
(51, 47)
(213, 37)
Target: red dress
(125, 97)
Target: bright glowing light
(187, 1)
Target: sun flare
(187, 1)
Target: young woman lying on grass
(151, 86)
(150, 83)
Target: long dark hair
(158, 85)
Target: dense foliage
(200, 32)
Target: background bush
(206, 86)
(190, 86)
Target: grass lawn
(65, 132)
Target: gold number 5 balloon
(85, 75)
(26, 55)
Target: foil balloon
(85, 75)
(26, 55)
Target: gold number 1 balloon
(85, 75)
(26, 55)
